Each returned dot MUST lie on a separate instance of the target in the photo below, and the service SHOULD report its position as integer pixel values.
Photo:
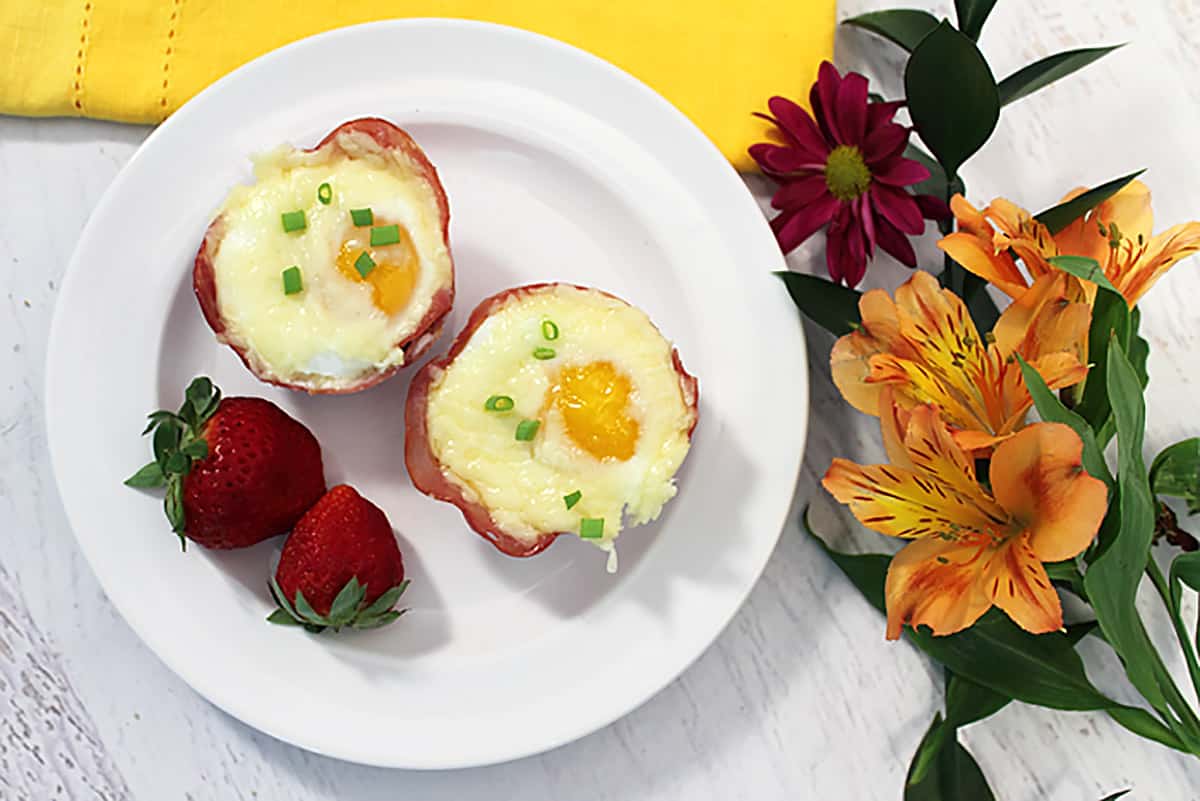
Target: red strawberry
(339, 567)
(237, 471)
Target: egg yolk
(593, 400)
(395, 273)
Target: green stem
(1185, 645)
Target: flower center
(846, 173)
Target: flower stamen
(846, 173)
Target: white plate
(558, 167)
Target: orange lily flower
(1117, 234)
(925, 346)
(972, 548)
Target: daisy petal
(800, 192)
(898, 208)
(823, 100)
(800, 128)
(851, 108)
(895, 243)
(803, 222)
(901, 172)
(884, 142)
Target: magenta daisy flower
(845, 172)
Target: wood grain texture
(49, 747)
(800, 697)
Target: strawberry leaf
(176, 463)
(157, 417)
(345, 604)
(384, 602)
(173, 505)
(166, 439)
(197, 449)
(312, 621)
(282, 618)
(150, 475)
(379, 621)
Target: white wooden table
(799, 698)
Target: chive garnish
(499, 403)
(292, 283)
(385, 235)
(294, 220)
(591, 528)
(364, 264)
(572, 499)
(544, 353)
(549, 330)
(526, 429)
(362, 217)
(325, 194)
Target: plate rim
(191, 675)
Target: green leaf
(903, 26)
(346, 602)
(829, 305)
(952, 96)
(198, 392)
(307, 613)
(166, 439)
(157, 417)
(1113, 578)
(1185, 569)
(1084, 268)
(379, 620)
(176, 463)
(282, 600)
(282, 618)
(1139, 348)
(385, 602)
(196, 449)
(1145, 725)
(1046, 71)
(1052, 410)
(968, 702)
(1059, 217)
(937, 184)
(1176, 472)
(1115, 795)
(150, 475)
(972, 14)
(927, 753)
(952, 775)
(173, 506)
(1067, 573)
(1110, 324)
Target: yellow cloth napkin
(139, 60)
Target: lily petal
(1016, 581)
(903, 503)
(1038, 477)
(980, 257)
(937, 583)
(1163, 251)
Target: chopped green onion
(364, 264)
(499, 403)
(591, 528)
(325, 194)
(572, 499)
(549, 330)
(544, 353)
(292, 283)
(362, 217)
(294, 221)
(385, 235)
(526, 429)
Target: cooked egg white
(340, 325)
(613, 421)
